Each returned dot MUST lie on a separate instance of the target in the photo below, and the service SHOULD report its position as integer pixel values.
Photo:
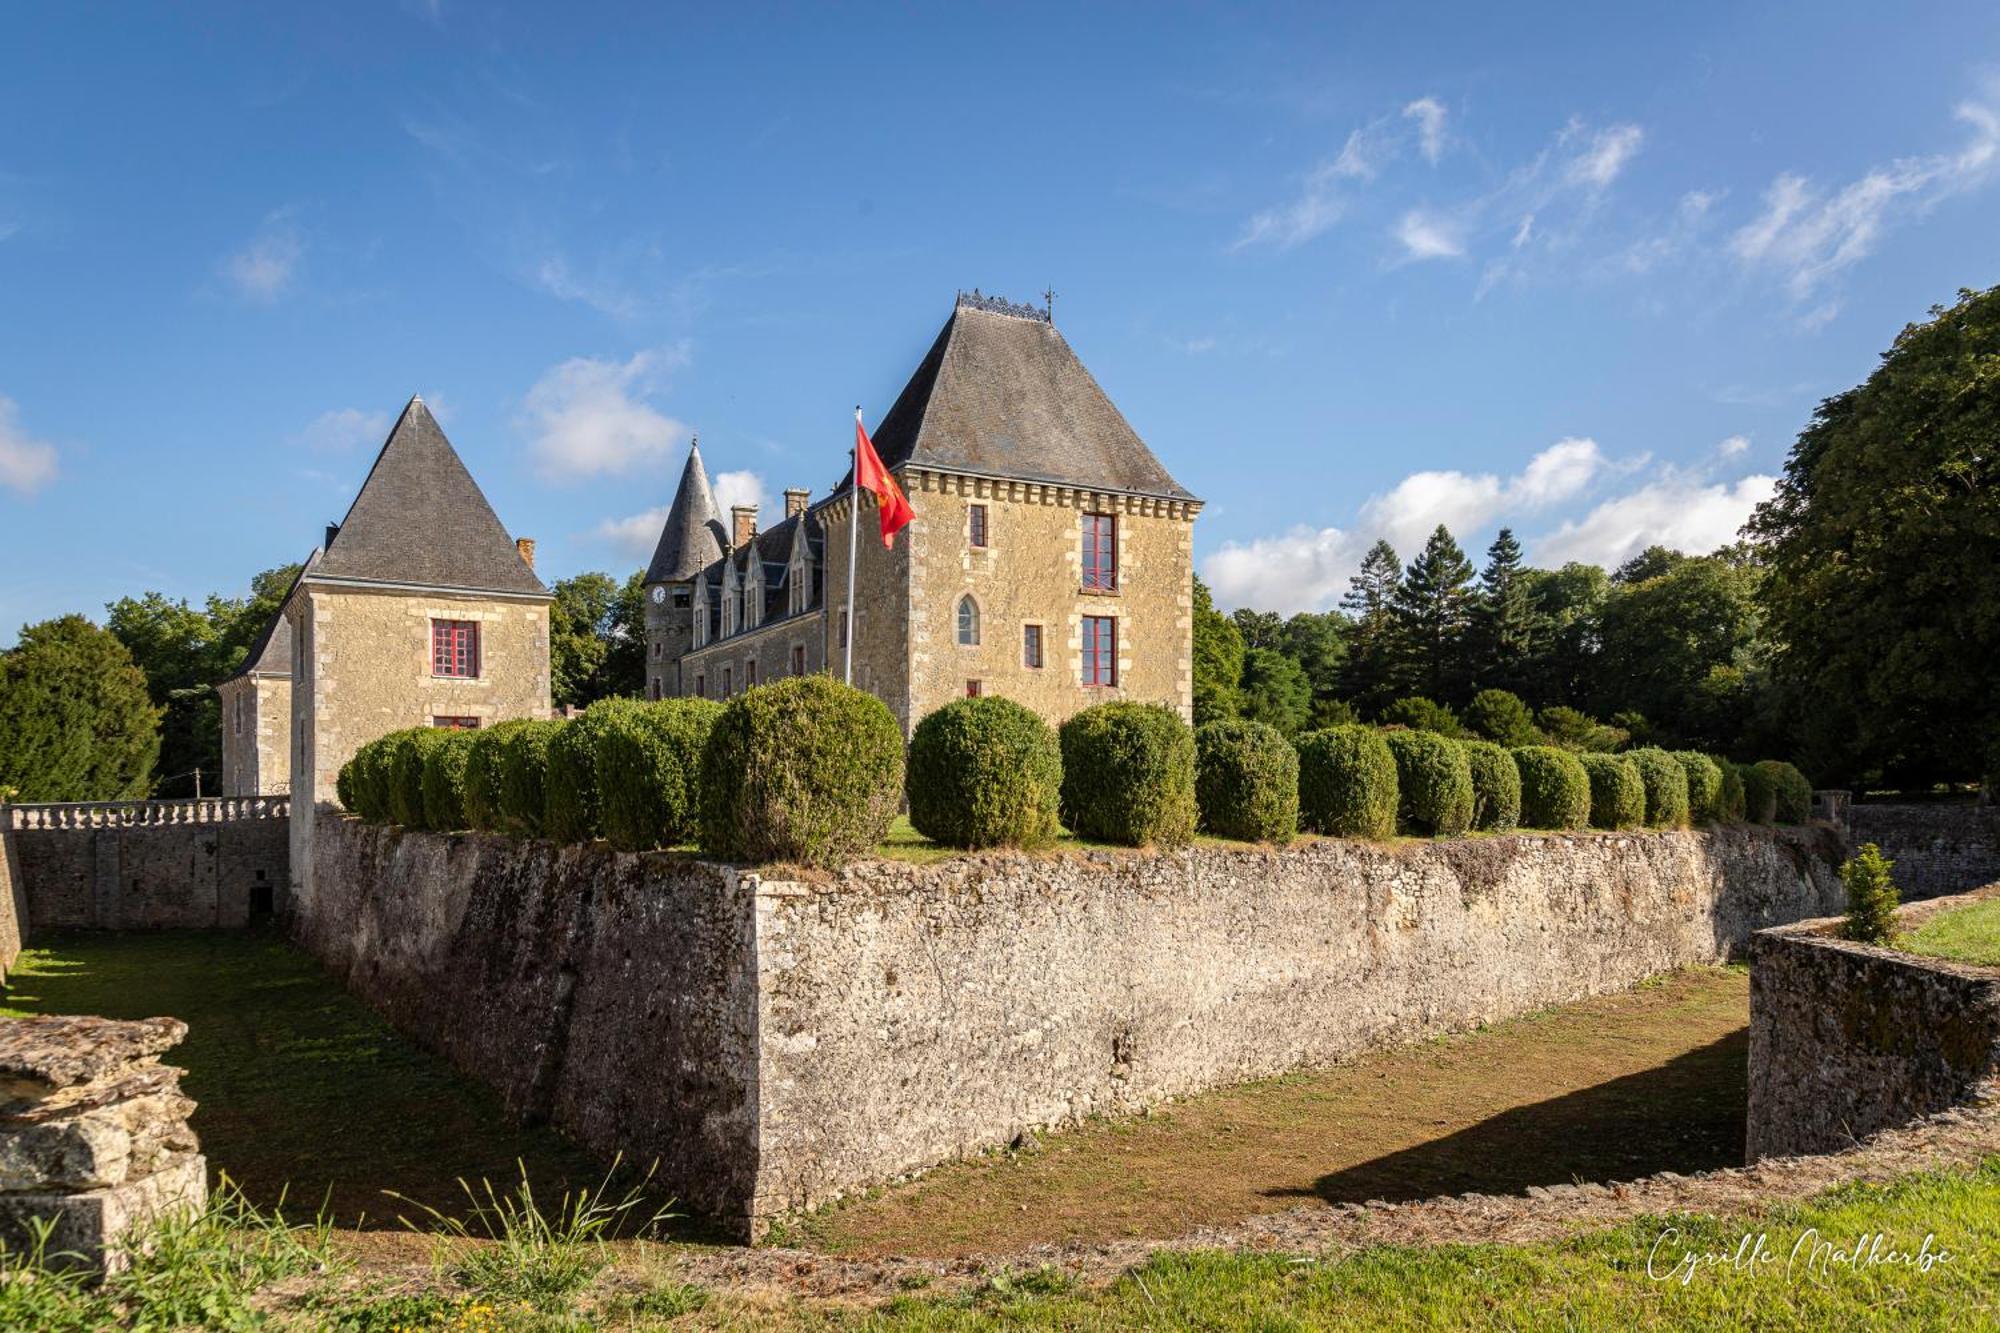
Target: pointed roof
(420, 519)
(1001, 394)
(271, 653)
(693, 535)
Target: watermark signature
(1811, 1257)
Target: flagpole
(853, 530)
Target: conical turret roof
(693, 536)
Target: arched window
(968, 621)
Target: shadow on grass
(1684, 1115)
(303, 1093)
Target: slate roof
(693, 536)
(271, 653)
(1002, 395)
(421, 519)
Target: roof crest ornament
(1000, 305)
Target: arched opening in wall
(968, 621)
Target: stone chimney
(743, 525)
(525, 548)
(795, 501)
(332, 531)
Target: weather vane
(1049, 303)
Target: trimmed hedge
(482, 776)
(371, 781)
(444, 780)
(1496, 786)
(1555, 788)
(648, 768)
(524, 765)
(1731, 801)
(343, 786)
(1347, 783)
(1791, 793)
(1617, 792)
(570, 809)
(1433, 783)
(1128, 775)
(407, 753)
(1760, 793)
(805, 769)
(985, 772)
(1704, 782)
(1246, 781)
(1666, 786)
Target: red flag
(870, 475)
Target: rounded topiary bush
(1128, 775)
(1731, 799)
(1347, 783)
(1666, 787)
(648, 766)
(370, 781)
(570, 809)
(1617, 792)
(1496, 786)
(444, 780)
(1760, 793)
(1555, 788)
(985, 772)
(1433, 783)
(805, 769)
(1704, 783)
(343, 787)
(1246, 781)
(524, 768)
(482, 776)
(1790, 791)
(406, 774)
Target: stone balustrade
(143, 814)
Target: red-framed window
(455, 648)
(1100, 552)
(977, 525)
(1100, 650)
(1031, 645)
(973, 689)
(456, 723)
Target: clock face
(659, 593)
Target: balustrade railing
(143, 814)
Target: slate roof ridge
(692, 515)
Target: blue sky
(1351, 272)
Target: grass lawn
(1969, 934)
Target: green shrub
(1496, 786)
(1421, 714)
(1704, 782)
(985, 772)
(570, 806)
(1347, 783)
(1760, 793)
(343, 787)
(1128, 775)
(805, 769)
(1433, 783)
(482, 775)
(407, 753)
(1555, 789)
(1791, 794)
(648, 765)
(1502, 718)
(524, 768)
(444, 780)
(1617, 792)
(1871, 896)
(1246, 782)
(1666, 787)
(370, 780)
(1731, 801)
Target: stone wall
(192, 865)
(13, 902)
(777, 1043)
(1847, 1039)
(256, 735)
(1939, 847)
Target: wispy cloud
(1429, 114)
(588, 416)
(553, 275)
(1429, 236)
(266, 268)
(1603, 154)
(26, 463)
(1322, 199)
(344, 429)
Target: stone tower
(692, 540)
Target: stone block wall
(199, 870)
(1939, 847)
(777, 1043)
(13, 903)
(1847, 1039)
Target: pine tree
(1368, 678)
(1503, 620)
(75, 720)
(1433, 611)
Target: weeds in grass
(510, 1250)
(667, 1300)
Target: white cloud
(1806, 235)
(553, 276)
(1680, 510)
(1604, 156)
(1317, 207)
(589, 416)
(739, 488)
(636, 536)
(265, 269)
(1429, 114)
(1428, 236)
(345, 428)
(1733, 447)
(26, 464)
